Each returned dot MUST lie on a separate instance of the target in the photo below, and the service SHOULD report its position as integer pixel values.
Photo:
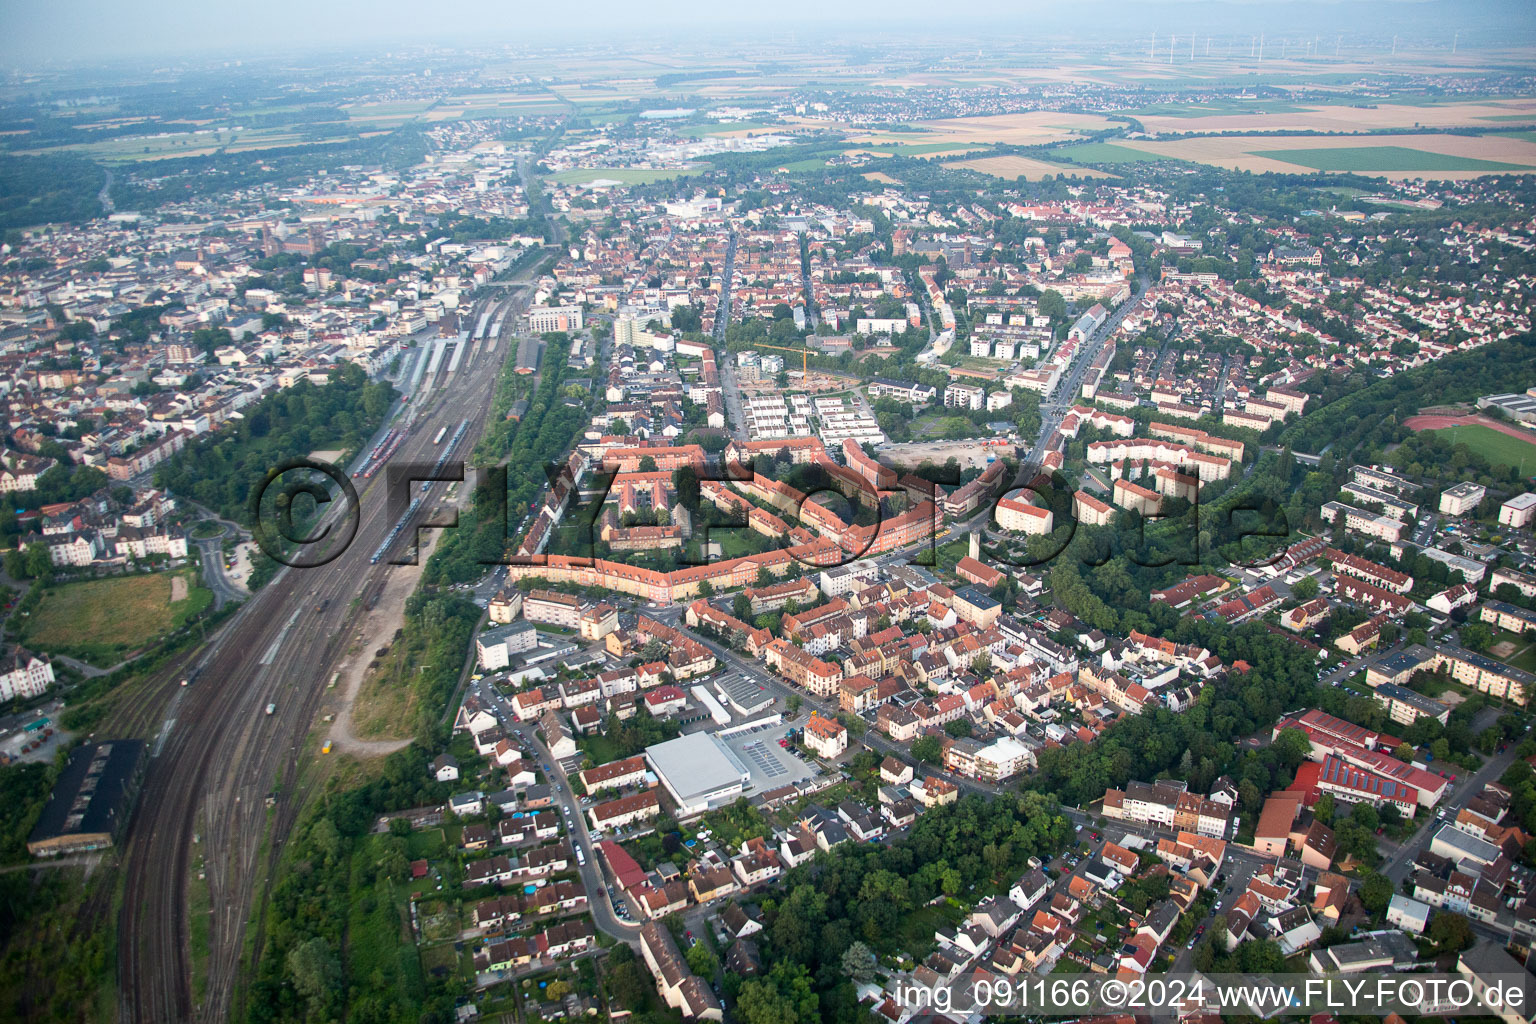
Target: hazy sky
(37, 31)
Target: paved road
(592, 875)
(1053, 408)
(211, 550)
(727, 279)
(1462, 791)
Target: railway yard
(227, 781)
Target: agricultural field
(1011, 167)
(1104, 153)
(1492, 445)
(102, 621)
(908, 149)
(1342, 117)
(1376, 159)
(1407, 156)
(1029, 129)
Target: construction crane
(805, 358)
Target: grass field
(1371, 159)
(101, 621)
(623, 175)
(1497, 448)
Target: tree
(685, 480)
(928, 748)
(702, 961)
(958, 728)
(1323, 809)
(785, 996)
(741, 606)
(1450, 931)
(1052, 304)
(1305, 588)
(315, 973)
(858, 962)
(1476, 636)
(39, 564)
(647, 464)
(1376, 892)
(792, 704)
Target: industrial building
(91, 800)
(699, 772)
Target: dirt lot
(969, 453)
(377, 629)
(1260, 153)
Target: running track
(1441, 422)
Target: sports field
(1497, 448)
(102, 621)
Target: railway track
(223, 755)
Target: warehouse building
(91, 800)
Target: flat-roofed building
(1408, 706)
(1462, 498)
(699, 772)
(1519, 511)
(1482, 673)
(1510, 617)
(1523, 582)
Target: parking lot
(770, 764)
